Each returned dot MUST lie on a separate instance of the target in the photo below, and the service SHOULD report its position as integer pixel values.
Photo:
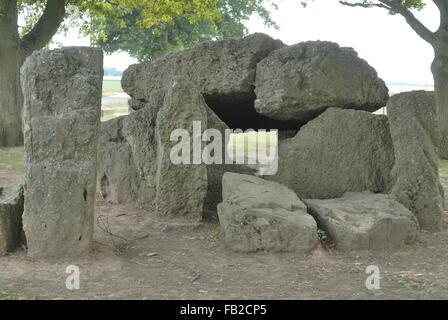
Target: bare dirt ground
(138, 256)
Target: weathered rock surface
(222, 71)
(301, 81)
(363, 221)
(62, 100)
(127, 158)
(261, 215)
(414, 130)
(192, 189)
(338, 152)
(11, 211)
(445, 192)
(181, 188)
(219, 68)
(117, 177)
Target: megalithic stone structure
(413, 125)
(61, 119)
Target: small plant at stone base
(322, 235)
(6, 294)
(326, 242)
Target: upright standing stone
(181, 188)
(413, 126)
(127, 155)
(62, 101)
(190, 189)
(340, 151)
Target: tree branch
(395, 6)
(45, 28)
(364, 4)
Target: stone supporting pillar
(62, 102)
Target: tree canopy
(144, 28)
(145, 42)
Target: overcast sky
(385, 41)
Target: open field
(11, 159)
(111, 87)
(113, 107)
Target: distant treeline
(112, 72)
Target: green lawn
(11, 159)
(6, 294)
(113, 108)
(251, 140)
(111, 86)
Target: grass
(111, 86)
(11, 159)
(6, 294)
(114, 108)
(443, 169)
(251, 141)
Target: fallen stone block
(261, 215)
(364, 221)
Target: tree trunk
(440, 72)
(10, 91)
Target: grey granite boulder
(11, 211)
(261, 215)
(413, 126)
(301, 81)
(363, 221)
(62, 101)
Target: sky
(385, 41)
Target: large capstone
(363, 221)
(11, 211)
(222, 71)
(62, 100)
(188, 186)
(412, 117)
(299, 82)
(262, 215)
(338, 152)
(127, 158)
